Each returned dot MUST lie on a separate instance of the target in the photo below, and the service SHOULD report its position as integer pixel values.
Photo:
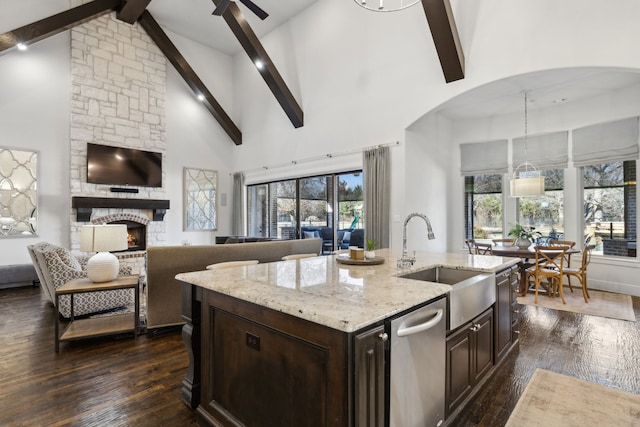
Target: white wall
(35, 113)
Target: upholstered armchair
(56, 265)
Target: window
(483, 206)
(610, 207)
(331, 203)
(545, 213)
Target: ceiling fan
(222, 6)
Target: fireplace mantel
(84, 206)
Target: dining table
(526, 255)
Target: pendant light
(527, 180)
(386, 5)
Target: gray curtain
(377, 185)
(237, 207)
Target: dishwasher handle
(403, 332)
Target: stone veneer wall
(118, 86)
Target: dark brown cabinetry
(506, 311)
(370, 378)
(469, 358)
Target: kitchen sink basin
(473, 291)
(446, 275)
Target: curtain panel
(237, 207)
(483, 158)
(606, 142)
(377, 184)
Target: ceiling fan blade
(255, 9)
(221, 7)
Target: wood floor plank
(114, 381)
(118, 381)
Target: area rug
(552, 399)
(603, 304)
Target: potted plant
(524, 236)
(371, 247)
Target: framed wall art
(200, 199)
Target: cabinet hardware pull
(383, 336)
(516, 331)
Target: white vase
(523, 243)
(369, 254)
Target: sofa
(164, 296)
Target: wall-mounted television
(123, 166)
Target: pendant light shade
(527, 180)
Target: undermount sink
(473, 291)
(446, 275)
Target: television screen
(123, 166)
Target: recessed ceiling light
(21, 46)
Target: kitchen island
(278, 343)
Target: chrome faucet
(406, 261)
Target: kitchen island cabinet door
(263, 367)
(469, 358)
(370, 378)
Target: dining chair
(581, 272)
(567, 256)
(484, 248)
(227, 264)
(471, 246)
(503, 242)
(549, 266)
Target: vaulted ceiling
(189, 20)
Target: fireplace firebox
(136, 235)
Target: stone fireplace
(143, 218)
(118, 82)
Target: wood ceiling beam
(131, 10)
(251, 44)
(445, 36)
(181, 65)
(55, 24)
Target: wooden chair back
(471, 246)
(549, 265)
(484, 248)
(503, 242)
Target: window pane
(610, 207)
(350, 201)
(282, 205)
(315, 201)
(545, 213)
(483, 207)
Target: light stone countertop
(339, 296)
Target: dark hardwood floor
(122, 382)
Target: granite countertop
(339, 296)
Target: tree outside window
(483, 207)
(610, 207)
(545, 213)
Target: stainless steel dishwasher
(417, 366)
